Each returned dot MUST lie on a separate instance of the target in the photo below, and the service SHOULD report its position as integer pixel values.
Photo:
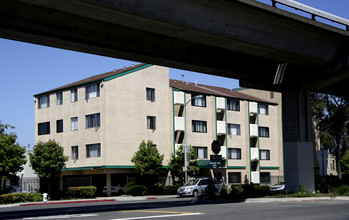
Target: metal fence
(272, 180)
(31, 185)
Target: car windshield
(280, 183)
(192, 182)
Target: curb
(67, 202)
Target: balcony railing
(178, 98)
(221, 130)
(253, 107)
(255, 178)
(254, 154)
(253, 130)
(220, 103)
(179, 124)
(223, 152)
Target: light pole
(185, 139)
(20, 175)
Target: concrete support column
(60, 182)
(108, 176)
(298, 140)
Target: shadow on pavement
(81, 208)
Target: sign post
(216, 148)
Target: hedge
(137, 190)
(82, 192)
(171, 190)
(20, 197)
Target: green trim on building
(249, 136)
(236, 167)
(226, 130)
(174, 121)
(269, 168)
(127, 72)
(215, 115)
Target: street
(182, 208)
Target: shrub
(137, 190)
(20, 197)
(156, 189)
(342, 190)
(171, 190)
(131, 183)
(236, 191)
(82, 192)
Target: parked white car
(196, 187)
(116, 189)
(279, 187)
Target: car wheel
(195, 193)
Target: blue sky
(27, 69)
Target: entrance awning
(210, 164)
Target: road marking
(174, 214)
(63, 216)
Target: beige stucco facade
(123, 109)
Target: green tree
(345, 163)
(12, 156)
(47, 160)
(332, 116)
(147, 161)
(176, 164)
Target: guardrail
(313, 12)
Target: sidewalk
(193, 200)
(98, 199)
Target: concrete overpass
(241, 39)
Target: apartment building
(100, 122)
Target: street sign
(216, 147)
(215, 157)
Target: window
(233, 129)
(263, 109)
(265, 177)
(59, 98)
(234, 177)
(332, 165)
(44, 128)
(93, 120)
(198, 100)
(265, 154)
(74, 95)
(150, 94)
(201, 152)
(74, 152)
(263, 132)
(44, 101)
(74, 124)
(59, 126)
(199, 126)
(93, 150)
(151, 122)
(233, 105)
(92, 91)
(234, 153)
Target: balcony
(179, 124)
(253, 130)
(254, 154)
(223, 152)
(255, 177)
(253, 107)
(221, 128)
(178, 98)
(177, 146)
(220, 103)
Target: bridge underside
(242, 39)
